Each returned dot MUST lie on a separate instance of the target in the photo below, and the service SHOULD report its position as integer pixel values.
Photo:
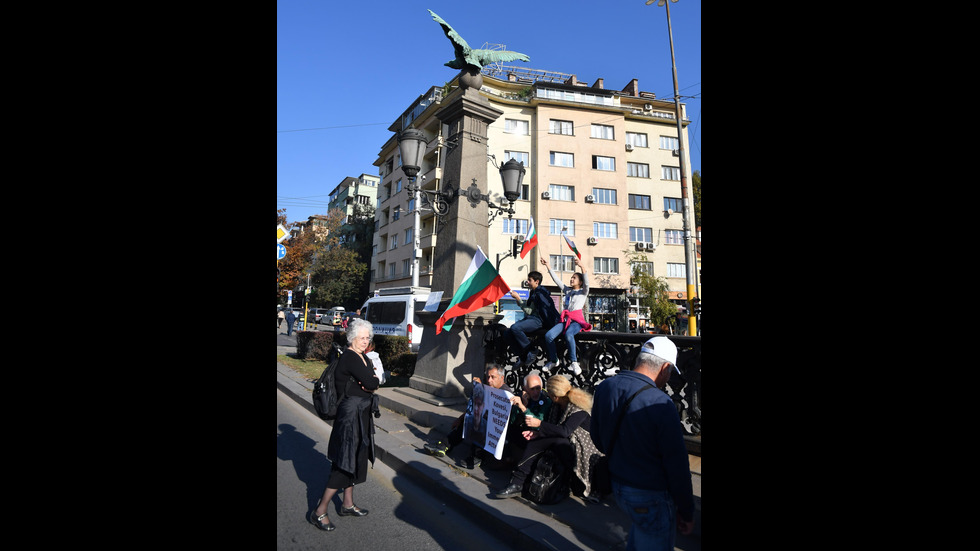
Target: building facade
(351, 191)
(602, 168)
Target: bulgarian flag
(572, 246)
(530, 240)
(482, 285)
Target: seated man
(531, 403)
(539, 312)
(566, 432)
(495, 378)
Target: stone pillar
(448, 361)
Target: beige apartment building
(601, 164)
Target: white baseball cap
(663, 348)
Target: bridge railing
(601, 354)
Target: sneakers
(576, 370)
(438, 449)
(530, 358)
(547, 367)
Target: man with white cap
(651, 475)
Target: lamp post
(689, 255)
(411, 146)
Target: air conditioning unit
(647, 107)
(629, 147)
(519, 238)
(591, 241)
(676, 152)
(546, 195)
(651, 247)
(590, 198)
(640, 246)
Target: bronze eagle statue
(468, 56)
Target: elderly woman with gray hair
(352, 438)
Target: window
(642, 268)
(638, 170)
(519, 156)
(406, 268)
(636, 139)
(605, 230)
(673, 203)
(562, 159)
(670, 173)
(561, 193)
(641, 202)
(674, 237)
(394, 242)
(515, 226)
(562, 263)
(411, 205)
(668, 142)
(602, 131)
(409, 236)
(513, 126)
(604, 265)
(641, 234)
(555, 226)
(676, 270)
(560, 127)
(525, 192)
(603, 163)
(398, 185)
(391, 270)
(604, 196)
(396, 213)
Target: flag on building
(572, 246)
(530, 240)
(481, 285)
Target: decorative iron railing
(601, 354)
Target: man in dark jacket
(539, 312)
(651, 475)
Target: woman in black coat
(352, 438)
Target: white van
(393, 312)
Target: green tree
(336, 270)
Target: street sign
(281, 233)
(281, 249)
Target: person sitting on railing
(539, 312)
(566, 432)
(572, 317)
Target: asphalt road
(402, 514)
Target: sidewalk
(407, 423)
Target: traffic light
(515, 247)
(696, 306)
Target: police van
(394, 312)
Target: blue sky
(346, 70)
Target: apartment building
(602, 168)
(351, 191)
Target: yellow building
(601, 163)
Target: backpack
(548, 482)
(325, 399)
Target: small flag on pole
(530, 240)
(572, 246)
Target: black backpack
(548, 482)
(325, 398)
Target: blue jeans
(654, 517)
(519, 329)
(552, 334)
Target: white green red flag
(572, 246)
(481, 286)
(530, 240)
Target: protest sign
(486, 418)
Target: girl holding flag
(572, 316)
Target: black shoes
(315, 521)
(512, 490)
(354, 511)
